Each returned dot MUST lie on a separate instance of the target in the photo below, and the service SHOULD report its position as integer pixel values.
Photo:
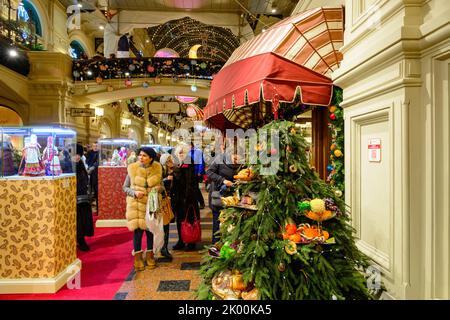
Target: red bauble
(332, 116)
(273, 151)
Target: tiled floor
(175, 280)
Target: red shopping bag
(191, 232)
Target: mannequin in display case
(32, 156)
(50, 158)
(116, 160)
(123, 154)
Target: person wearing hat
(143, 175)
(85, 223)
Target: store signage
(82, 112)
(164, 107)
(374, 149)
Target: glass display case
(27, 152)
(116, 152)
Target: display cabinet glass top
(117, 152)
(37, 152)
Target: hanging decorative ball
(332, 116)
(281, 267)
(145, 84)
(273, 151)
(338, 153)
(128, 83)
(293, 168)
(131, 67)
(76, 74)
(333, 109)
(157, 79)
(150, 68)
(304, 205)
(329, 167)
(333, 146)
(338, 193)
(99, 80)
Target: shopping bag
(155, 225)
(191, 232)
(154, 219)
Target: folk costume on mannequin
(50, 158)
(31, 154)
(123, 154)
(116, 160)
(142, 177)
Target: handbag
(166, 208)
(191, 232)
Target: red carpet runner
(104, 268)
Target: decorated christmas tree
(285, 235)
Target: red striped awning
(312, 38)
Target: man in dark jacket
(221, 175)
(85, 224)
(199, 167)
(92, 161)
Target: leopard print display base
(37, 227)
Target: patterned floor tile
(120, 296)
(190, 266)
(174, 285)
(170, 280)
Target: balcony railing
(17, 32)
(124, 68)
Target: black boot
(164, 251)
(178, 246)
(82, 245)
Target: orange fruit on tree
(291, 228)
(311, 232)
(333, 146)
(325, 235)
(333, 109)
(295, 237)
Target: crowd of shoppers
(176, 176)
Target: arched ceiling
(217, 43)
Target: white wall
(395, 79)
